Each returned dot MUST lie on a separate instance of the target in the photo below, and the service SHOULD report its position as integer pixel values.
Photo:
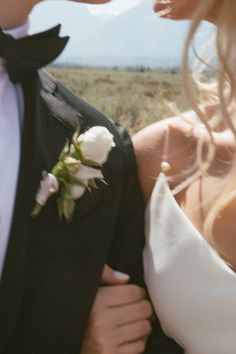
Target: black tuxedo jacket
(52, 268)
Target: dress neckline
(162, 179)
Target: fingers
(119, 321)
(134, 331)
(132, 348)
(118, 295)
(163, 8)
(112, 277)
(132, 312)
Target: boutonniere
(78, 169)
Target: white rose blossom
(71, 160)
(96, 144)
(77, 191)
(84, 174)
(77, 170)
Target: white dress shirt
(11, 109)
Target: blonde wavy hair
(222, 93)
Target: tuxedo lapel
(37, 139)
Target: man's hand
(112, 277)
(119, 321)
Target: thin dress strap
(165, 166)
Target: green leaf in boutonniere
(78, 169)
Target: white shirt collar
(19, 32)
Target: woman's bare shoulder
(149, 145)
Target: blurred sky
(114, 7)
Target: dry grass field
(133, 98)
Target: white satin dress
(192, 289)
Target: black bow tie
(25, 56)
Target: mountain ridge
(134, 38)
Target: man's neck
(14, 12)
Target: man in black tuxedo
(51, 270)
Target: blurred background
(121, 57)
